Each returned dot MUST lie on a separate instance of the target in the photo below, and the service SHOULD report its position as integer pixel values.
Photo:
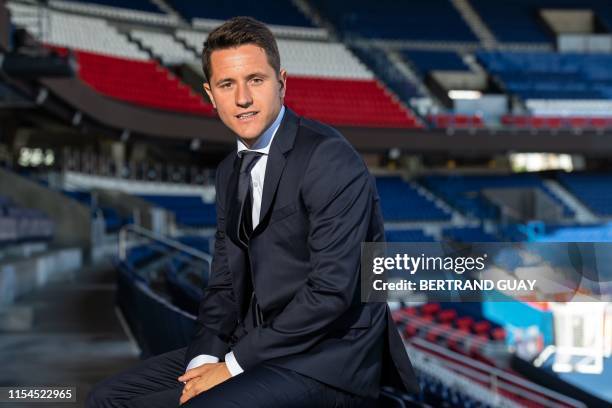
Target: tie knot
(249, 158)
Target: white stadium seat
(164, 45)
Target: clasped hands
(203, 378)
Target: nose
(243, 96)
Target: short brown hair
(239, 31)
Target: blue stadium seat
(269, 11)
(19, 224)
(468, 234)
(401, 202)
(464, 192)
(518, 20)
(113, 221)
(592, 189)
(549, 75)
(190, 211)
(377, 60)
(434, 20)
(425, 60)
(407, 235)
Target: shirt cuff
(200, 360)
(232, 364)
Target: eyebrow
(250, 76)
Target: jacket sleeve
(217, 317)
(337, 194)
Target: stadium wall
(73, 224)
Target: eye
(256, 81)
(225, 85)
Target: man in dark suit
(281, 323)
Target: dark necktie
(245, 226)
(245, 194)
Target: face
(246, 91)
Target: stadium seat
(425, 61)
(116, 77)
(593, 189)
(551, 75)
(19, 224)
(517, 21)
(464, 192)
(345, 102)
(190, 211)
(268, 11)
(400, 201)
(388, 19)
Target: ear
(282, 79)
(208, 91)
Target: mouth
(246, 116)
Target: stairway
(583, 214)
(475, 23)
(166, 8)
(315, 17)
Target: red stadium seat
(498, 334)
(430, 309)
(143, 83)
(481, 327)
(347, 102)
(447, 316)
(464, 323)
(458, 121)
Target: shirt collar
(262, 145)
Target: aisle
(75, 340)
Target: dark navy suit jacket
(319, 204)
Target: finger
(187, 394)
(193, 373)
(197, 388)
(189, 385)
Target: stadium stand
(143, 11)
(320, 72)
(469, 234)
(592, 189)
(365, 68)
(547, 75)
(347, 102)
(556, 122)
(426, 61)
(116, 77)
(464, 192)
(388, 19)
(401, 201)
(190, 211)
(378, 61)
(407, 235)
(142, 5)
(19, 224)
(77, 31)
(268, 11)
(113, 221)
(518, 21)
(164, 46)
(456, 121)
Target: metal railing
(140, 232)
(475, 377)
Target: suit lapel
(233, 210)
(282, 143)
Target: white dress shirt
(258, 173)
